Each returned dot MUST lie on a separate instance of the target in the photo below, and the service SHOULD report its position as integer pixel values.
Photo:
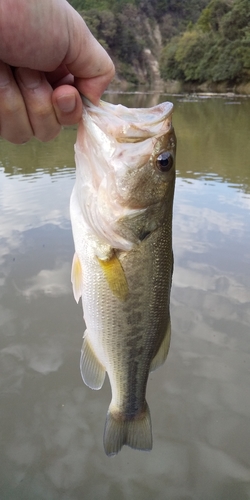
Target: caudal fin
(136, 433)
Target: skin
(47, 56)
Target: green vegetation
(200, 40)
(122, 36)
(216, 48)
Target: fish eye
(164, 161)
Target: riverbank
(177, 87)
(222, 87)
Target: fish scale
(124, 279)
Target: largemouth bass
(121, 214)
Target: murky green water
(51, 425)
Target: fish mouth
(131, 125)
(111, 169)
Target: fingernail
(30, 78)
(66, 103)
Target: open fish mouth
(131, 124)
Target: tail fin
(136, 433)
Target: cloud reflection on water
(51, 423)
(54, 282)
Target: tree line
(201, 40)
(216, 48)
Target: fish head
(144, 170)
(125, 161)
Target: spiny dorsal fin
(76, 277)
(115, 276)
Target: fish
(121, 215)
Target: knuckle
(41, 111)
(43, 121)
(10, 105)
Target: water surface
(51, 424)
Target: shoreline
(177, 87)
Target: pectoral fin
(115, 276)
(76, 277)
(162, 353)
(92, 371)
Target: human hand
(47, 55)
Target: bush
(169, 67)
(217, 48)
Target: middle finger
(37, 95)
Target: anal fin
(92, 371)
(162, 353)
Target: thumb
(86, 59)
